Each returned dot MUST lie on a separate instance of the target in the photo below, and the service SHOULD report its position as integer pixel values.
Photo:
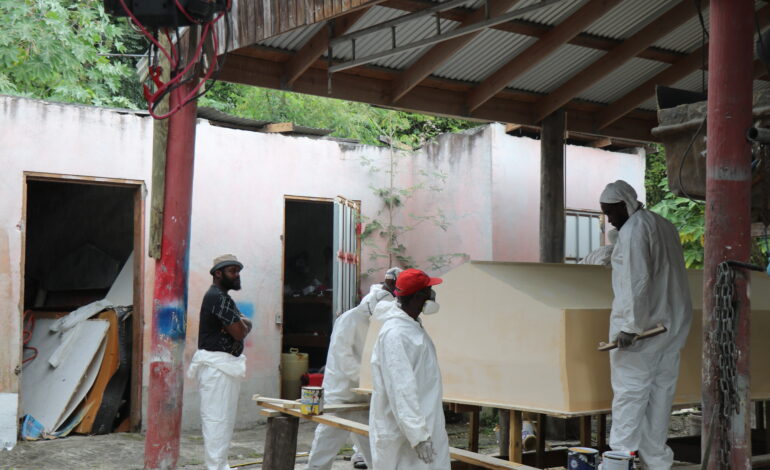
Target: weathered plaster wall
(489, 198)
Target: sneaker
(358, 461)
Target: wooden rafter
(528, 28)
(538, 51)
(440, 53)
(684, 67)
(262, 67)
(317, 45)
(615, 58)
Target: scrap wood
(259, 462)
(480, 460)
(659, 328)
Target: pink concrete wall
(489, 198)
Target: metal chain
(726, 354)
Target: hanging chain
(725, 352)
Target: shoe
(528, 438)
(358, 461)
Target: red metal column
(728, 191)
(169, 313)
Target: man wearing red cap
(406, 418)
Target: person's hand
(625, 340)
(425, 451)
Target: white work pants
(328, 441)
(643, 386)
(219, 405)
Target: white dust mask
(431, 307)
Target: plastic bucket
(582, 458)
(294, 365)
(617, 460)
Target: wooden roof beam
(528, 28)
(318, 44)
(440, 53)
(659, 27)
(538, 51)
(249, 69)
(684, 67)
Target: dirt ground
(125, 451)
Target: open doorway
(82, 253)
(321, 271)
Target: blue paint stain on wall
(171, 322)
(247, 309)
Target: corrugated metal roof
(485, 54)
(626, 78)
(685, 38)
(293, 40)
(628, 17)
(556, 69)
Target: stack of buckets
(294, 365)
(585, 458)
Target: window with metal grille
(583, 234)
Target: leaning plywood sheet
(50, 394)
(9, 406)
(121, 294)
(524, 335)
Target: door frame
(137, 316)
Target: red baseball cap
(413, 280)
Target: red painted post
(169, 312)
(728, 205)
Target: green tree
(58, 50)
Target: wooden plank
(538, 51)
(512, 127)
(540, 451)
(585, 431)
(602, 441)
(552, 188)
(473, 432)
(514, 439)
(278, 127)
(137, 314)
(462, 455)
(295, 405)
(159, 142)
(664, 24)
(600, 143)
(110, 364)
(437, 55)
(269, 413)
(281, 443)
(240, 68)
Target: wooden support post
(759, 415)
(602, 433)
(585, 431)
(504, 426)
(514, 439)
(552, 188)
(281, 443)
(473, 432)
(540, 429)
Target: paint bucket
(312, 401)
(293, 365)
(617, 460)
(582, 458)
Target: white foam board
(47, 392)
(9, 407)
(121, 294)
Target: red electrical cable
(28, 321)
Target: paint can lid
(618, 455)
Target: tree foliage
(347, 119)
(56, 49)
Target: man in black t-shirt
(219, 364)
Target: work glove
(425, 451)
(625, 340)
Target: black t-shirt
(217, 311)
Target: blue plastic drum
(582, 458)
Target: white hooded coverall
(406, 406)
(602, 256)
(343, 367)
(649, 281)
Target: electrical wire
(704, 50)
(681, 162)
